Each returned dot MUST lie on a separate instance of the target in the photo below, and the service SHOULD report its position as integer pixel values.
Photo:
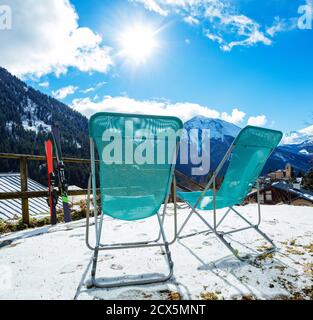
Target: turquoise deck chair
(137, 156)
(247, 157)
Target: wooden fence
(24, 194)
(184, 182)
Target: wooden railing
(24, 194)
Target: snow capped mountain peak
(299, 143)
(296, 148)
(307, 131)
(218, 128)
(299, 137)
(293, 137)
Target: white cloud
(255, 37)
(258, 121)
(222, 23)
(282, 25)
(245, 31)
(64, 92)
(46, 38)
(93, 89)
(152, 5)
(184, 110)
(89, 90)
(191, 20)
(236, 117)
(214, 37)
(44, 84)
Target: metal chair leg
(124, 283)
(221, 235)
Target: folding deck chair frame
(215, 228)
(98, 221)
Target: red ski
(53, 195)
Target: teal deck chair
(137, 156)
(247, 157)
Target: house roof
(12, 209)
(302, 193)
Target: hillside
(25, 122)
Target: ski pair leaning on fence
(135, 191)
(63, 187)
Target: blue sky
(216, 55)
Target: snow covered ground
(54, 263)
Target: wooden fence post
(24, 188)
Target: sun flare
(138, 43)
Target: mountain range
(298, 152)
(27, 116)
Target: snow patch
(9, 125)
(304, 151)
(35, 126)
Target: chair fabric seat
(251, 150)
(207, 202)
(136, 154)
(139, 207)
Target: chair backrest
(252, 148)
(136, 155)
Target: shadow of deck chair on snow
(248, 156)
(132, 190)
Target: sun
(138, 43)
